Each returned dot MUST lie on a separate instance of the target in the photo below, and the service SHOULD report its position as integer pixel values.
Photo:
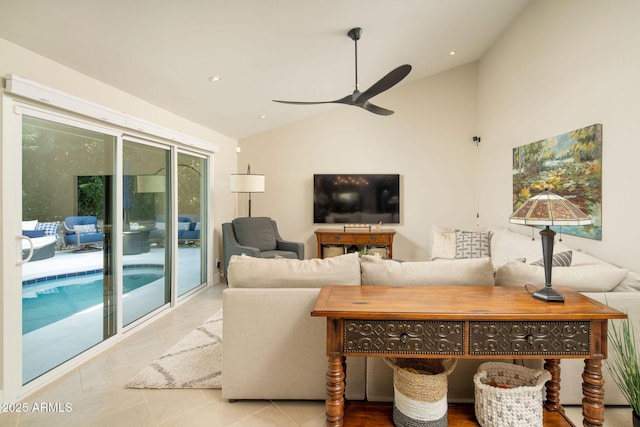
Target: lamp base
(548, 294)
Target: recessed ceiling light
(214, 79)
(452, 53)
(262, 116)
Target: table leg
(335, 391)
(553, 386)
(593, 393)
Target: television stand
(363, 238)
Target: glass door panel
(191, 222)
(68, 291)
(146, 230)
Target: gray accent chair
(257, 237)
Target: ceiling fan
(361, 99)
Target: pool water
(43, 304)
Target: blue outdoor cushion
(33, 233)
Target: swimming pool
(50, 299)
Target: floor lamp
(548, 209)
(247, 183)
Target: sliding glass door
(192, 214)
(68, 287)
(113, 229)
(146, 261)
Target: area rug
(194, 362)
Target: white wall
(16, 60)
(428, 141)
(563, 65)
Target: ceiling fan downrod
(355, 34)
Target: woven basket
(383, 252)
(508, 395)
(331, 251)
(420, 391)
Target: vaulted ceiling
(220, 63)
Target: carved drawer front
(552, 338)
(403, 336)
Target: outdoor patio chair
(82, 231)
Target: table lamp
(548, 209)
(247, 183)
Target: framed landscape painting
(569, 165)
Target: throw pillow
(29, 225)
(85, 228)
(50, 228)
(562, 259)
(473, 244)
(33, 233)
(443, 245)
(183, 226)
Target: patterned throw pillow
(561, 259)
(85, 228)
(473, 244)
(50, 228)
(183, 226)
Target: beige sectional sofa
(274, 349)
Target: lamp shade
(548, 208)
(151, 183)
(247, 183)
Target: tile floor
(97, 397)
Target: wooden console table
(358, 237)
(465, 322)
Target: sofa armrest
(297, 247)
(274, 349)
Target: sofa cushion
(250, 272)
(255, 233)
(473, 271)
(598, 277)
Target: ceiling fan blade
(376, 110)
(302, 102)
(346, 100)
(391, 79)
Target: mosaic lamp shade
(548, 209)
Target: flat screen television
(356, 199)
